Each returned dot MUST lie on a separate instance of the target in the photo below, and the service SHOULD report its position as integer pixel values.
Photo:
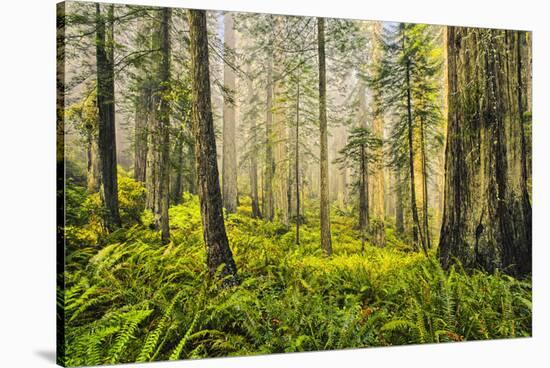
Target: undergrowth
(128, 298)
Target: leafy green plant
(133, 299)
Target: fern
(153, 337)
(178, 350)
(131, 322)
(138, 300)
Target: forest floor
(128, 298)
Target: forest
(234, 184)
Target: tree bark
(253, 169)
(177, 190)
(140, 135)
(106, 111)
(364, 218)
(399, 220)
(229, 154)
(424, 186)
(326, 243)
(487, 210)
(93, 172)
(163, 120)
(218, 253)
(297, 160)
(256, 213)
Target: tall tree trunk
(280, 131)
(153, 158)
(262, 187)
(229, 157)
(140, 135)
(106, 110)
(423, 158)
(177, 190)
(399, 220)
(158, 156)
(190, 163)
(256, 213)
(93, 172)
(218, 253)
(378, 194)
(253, 170)
(269, 164)
(163, 120)
(297, 160)
(326, 242)
(417, 232)
(377, 226)
(364, 218)
(487, 211)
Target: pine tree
(405, 78)
(361, 152)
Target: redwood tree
(106, 112)
(487, 210)
(326, 243)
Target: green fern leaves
(134, 299)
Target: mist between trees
(343, 147)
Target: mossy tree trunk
(93, 170)
(487, 210)
(106, 112)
